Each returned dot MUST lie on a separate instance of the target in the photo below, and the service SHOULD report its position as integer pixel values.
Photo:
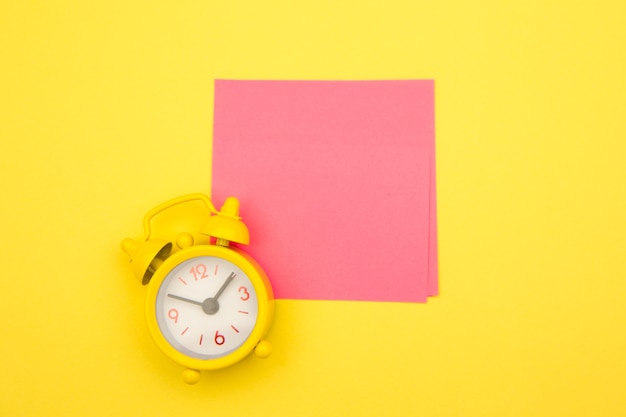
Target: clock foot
(263, 349)
(191, 376)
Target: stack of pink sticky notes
(336, 181)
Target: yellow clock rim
(261, 285)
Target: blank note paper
(336, 181)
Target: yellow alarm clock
(208, 305)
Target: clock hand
(187, 300)
(224, 285)
(211, 306)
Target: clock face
(206, 307)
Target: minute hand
(224, 285)
(187, 300)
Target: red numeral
(173, 314)
(246, 294)
(199, 272)
(219, 339)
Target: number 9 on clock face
(206, 307)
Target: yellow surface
(106, 111)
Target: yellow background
(106, 111)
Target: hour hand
(224, 285)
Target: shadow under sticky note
(337, 184)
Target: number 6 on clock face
(206, 307)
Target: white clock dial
(206, 307)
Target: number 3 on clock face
(206, 307)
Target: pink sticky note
(336, 183)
